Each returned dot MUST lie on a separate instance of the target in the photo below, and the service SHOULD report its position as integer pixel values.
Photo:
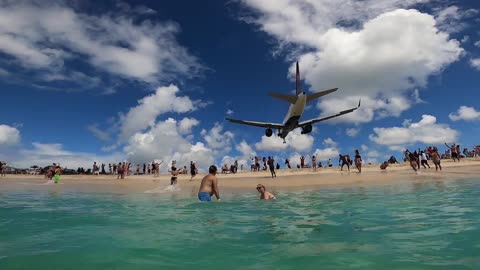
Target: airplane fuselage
(294, 113)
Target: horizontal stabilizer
(288, 98)
(320, 94)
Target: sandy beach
(287, 179)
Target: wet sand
(286, 180)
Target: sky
(138, 81)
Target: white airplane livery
(295, 111)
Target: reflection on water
(421, 225)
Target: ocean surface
(413, 225)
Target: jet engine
(268, 132)
(307, 129)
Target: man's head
(260, 188)
(212, 170)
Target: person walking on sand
(271, 165)
(344, 161)
(423, 160)
(314, 163)
(193, 170)
(358, 161)
(412, 159)
(265, 195)
(209, 186)
(436, 159)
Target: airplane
(295, 111)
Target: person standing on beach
(314, 163)
(265, 195)
(271, 165)
(453, 151)
(3, 166)
(209, 186)
(358, 161)
(302, 162)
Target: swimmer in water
(265, 195)
(58, 171)
(209, 186)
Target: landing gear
(268, 132)
(306, 129)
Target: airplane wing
(316, 120)
(256, 124)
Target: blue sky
(84, 82)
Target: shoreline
(287, 180)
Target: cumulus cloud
(117, 43)
(186, 124)
(230, 112)
(246, 154)
(477, 43)
(352, 132)
(475, 63)
(99, 133)
(143, 115)
(43, 154)
(426, 131)
(373, 50)
(295, 140)
(9, 135)
(164, 141)
(218, 139)
(465, 113)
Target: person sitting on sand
(209, 186)
(265, 195)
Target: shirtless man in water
(209, 186)
(265, 195)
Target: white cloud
(352, 132)
(477, 44)
(218, 139)
(475, 62)
(119, 43)
(425, 131)
(294, 140)
(230, 112)
(99, 133)
(186, 124)
(45, 154)
(465, 39)
(9, 135)
(163, 141)
(164, 100)
(465, 113)
(368, 49)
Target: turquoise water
(431, 225)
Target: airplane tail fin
(288, 98)
(298, 83)
(320, 94)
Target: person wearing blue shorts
(209, 186)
